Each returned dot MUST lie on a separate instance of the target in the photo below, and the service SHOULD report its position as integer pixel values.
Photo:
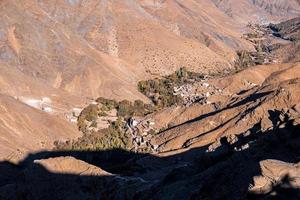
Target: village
(141, 132)
(197, 92)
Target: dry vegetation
(115, 135)
(160, 91)
(112, 137)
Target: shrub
(110, 138)
(244, 60)
(90, 113)
(160, 91)
(107, 104)
(125, 109)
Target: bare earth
(56, 57)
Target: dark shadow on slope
(252, 98)
(225, 173)
(247, 111)
(249, 99)
(235, 174)
(283, 190)
(113, 160)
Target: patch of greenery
(125, 109)
(252, 35)
(111, 138)
(107, 104)
(160, 91)
(90, 114)
(244, 60)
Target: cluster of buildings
(141, 131)
(196, 93)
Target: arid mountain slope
(259, 11)
(45, 49)
(58, 55)
(237, 114)
(255, 165)
(25, 129)
(67, 52)
(102, 48)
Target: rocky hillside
(259, 11)
(29, 130)
(214, 137)
(252, 154)
(102, 48)
(172, 99)
(70, 52)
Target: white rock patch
(43, 104)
